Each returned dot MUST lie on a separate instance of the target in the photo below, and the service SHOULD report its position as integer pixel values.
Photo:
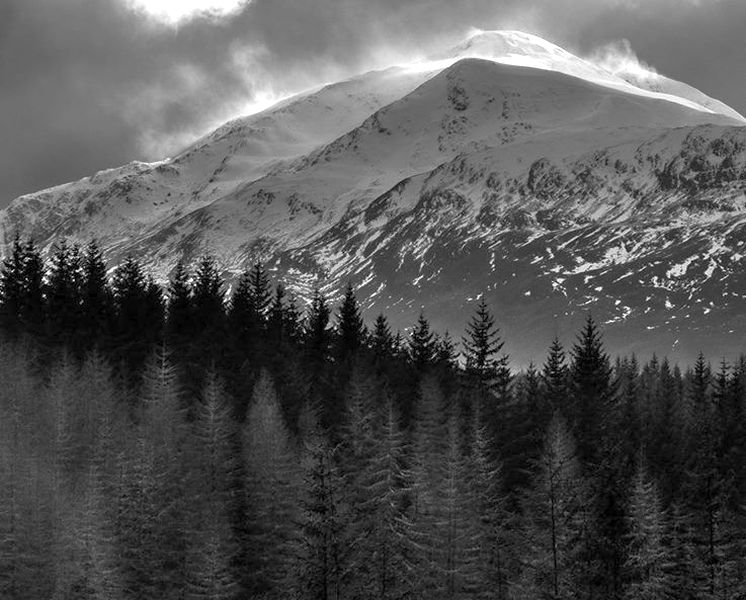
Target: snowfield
(505, 166)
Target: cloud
(90, 84)
(173, 12)
(618, 57)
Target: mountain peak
(523, 49)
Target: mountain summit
(505, 166)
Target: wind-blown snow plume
(619, 58)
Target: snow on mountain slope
(523, 49)
(472, 105)
(120, 203)
(533, 176)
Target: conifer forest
(180, 442)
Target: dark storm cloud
(88, 84)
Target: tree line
(177, 442)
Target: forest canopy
(174, 442)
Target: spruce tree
(260, 294)
(32, 307)
(421, 345)
(208, 302)
(381, 341)
(317, 335)
(592, 390)
(179, 308)
(96, 299)
(555, 377)
(482, 345)
(12, 287)
(350, 329)
(63, 291)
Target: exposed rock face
(553, 192)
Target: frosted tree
(648, 557)
(26, 490)
(376, 479)
(321, 564)
(272, 481)
(213, 549)
(555, 520)
(490, 503)
(153, 515)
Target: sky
(92, 84)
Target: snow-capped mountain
(505, 166)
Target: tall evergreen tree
(63, 294)
(592, 390)
(556, 522)
(96, 299)
(648, 562)
(179, 308)
(421, 345)
(555, 377)
(350, 329)
(272, 490)
(213, 549)
(482, 345)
